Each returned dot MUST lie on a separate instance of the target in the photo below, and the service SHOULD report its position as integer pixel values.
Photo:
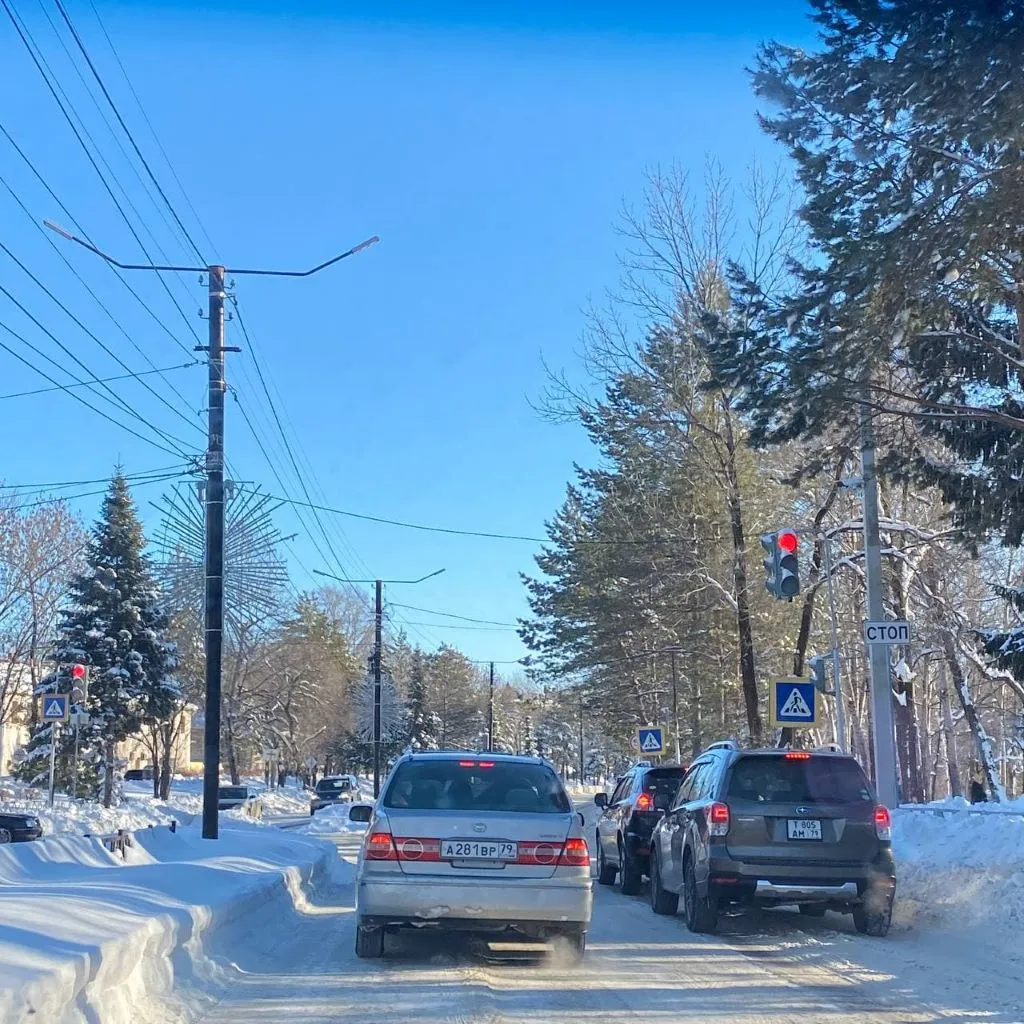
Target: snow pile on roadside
(960, 870)
(87, 936)
(285, 802)
(335, 819)
(85, 817)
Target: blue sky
(490, 151)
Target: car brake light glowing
(718, 819)
(380, 847)
(467, 764)
(486, 764)
(797, 755)
(644, 802)
(883, 823)
(575, 853)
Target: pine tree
(424, 724)
(116, 627)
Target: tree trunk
(981, 739)
(744, 632)
(108, 772)
(167, 734)
(229, 743)
(948, 735)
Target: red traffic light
(77, 671)
(788, 541)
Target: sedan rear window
(334, 785)
(477, 786)
(233, 793)
(816, 780)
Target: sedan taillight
(575, 853)
(380, 847)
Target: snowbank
(87, 936)
(335, 820)
(961, 868)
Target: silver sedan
(474, 842)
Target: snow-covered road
(777, 968)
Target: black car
(774, 827)
(19, 828)
(624, 829)
(333, 789)
(139, 775)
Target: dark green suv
(774, 827)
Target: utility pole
(214, 557)
(490, 713)
(882, 725)
(581, 738)
(837, 682)
(378, 623)
(675, 708)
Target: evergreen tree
(424, 724)
(116, 627)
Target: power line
(39, 63)
(88, 494)
(170, 438)
(149, 124)
(131, 138)
(451, 615)
(101, 380)
(452, 625)
(75, 395)
(162, 470)
(117, 359)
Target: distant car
(628, 817)
(333, 789)
(774, 827)
(486, 843)
(230, 798)
(139, 775)
(19, 828)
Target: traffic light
(816, 666)
(781, 566)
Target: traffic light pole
(883, 732)
(490, 713)
(826, 550)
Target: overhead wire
(160, 471)
(102, 380)
(86, 494)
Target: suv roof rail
(724, 745)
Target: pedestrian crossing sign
(55, 707)
(793, 703)
(651, 741)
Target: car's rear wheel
(701, 913)
(812, 909)
(874, 916)
(630, 876)
(662, 901)
(605, 871)
(369, 941)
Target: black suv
(774, 827)
(624, 829)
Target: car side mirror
(360, 812)
(601, 799)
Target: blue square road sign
(793, 703)
(55, 707)
(651, 741)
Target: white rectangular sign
(890, 632)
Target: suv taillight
(883, 823)
(575, 853)
(718, 819)
(644, 802)
(380, 847)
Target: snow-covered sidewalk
(88, 936)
